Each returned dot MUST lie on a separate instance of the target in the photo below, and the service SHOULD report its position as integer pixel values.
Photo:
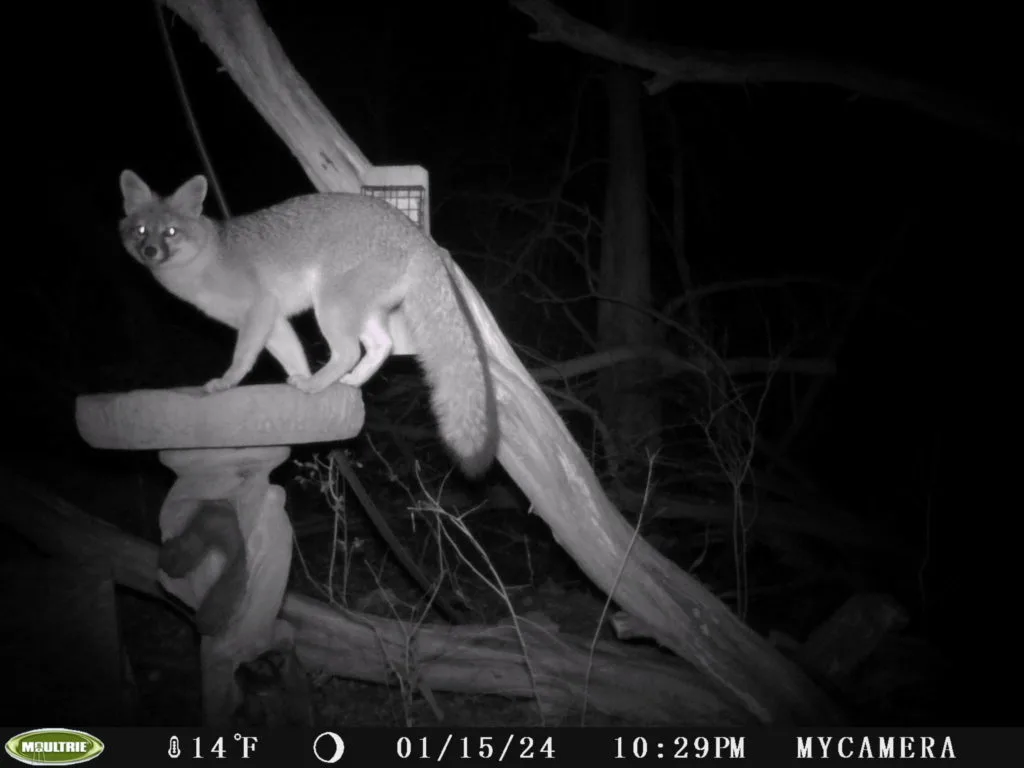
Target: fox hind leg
(377, 342)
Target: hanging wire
(186, 105)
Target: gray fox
(349, 257)
(213, 525)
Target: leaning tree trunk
(536, 449)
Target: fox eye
(170, 231)
(140, 230)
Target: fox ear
(135, 191)
(189, 197)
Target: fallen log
(557, 670)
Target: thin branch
(674, 363)
(673, 64)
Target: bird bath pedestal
(223, 448)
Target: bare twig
(690, 64)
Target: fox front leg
(286, 348)
(252, 337)
(339, 321)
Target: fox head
(160, 231)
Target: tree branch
(671, 65)
(675, 364)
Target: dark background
(915, 431)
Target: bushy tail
(450, 349)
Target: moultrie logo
(53, 746)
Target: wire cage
(406, 187)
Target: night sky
(782, 180)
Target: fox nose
(150, 251)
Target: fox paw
(305, 384)
(352, 381)
(219, 384)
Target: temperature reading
(217, 749)
(248, 744)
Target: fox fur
(350, 258)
